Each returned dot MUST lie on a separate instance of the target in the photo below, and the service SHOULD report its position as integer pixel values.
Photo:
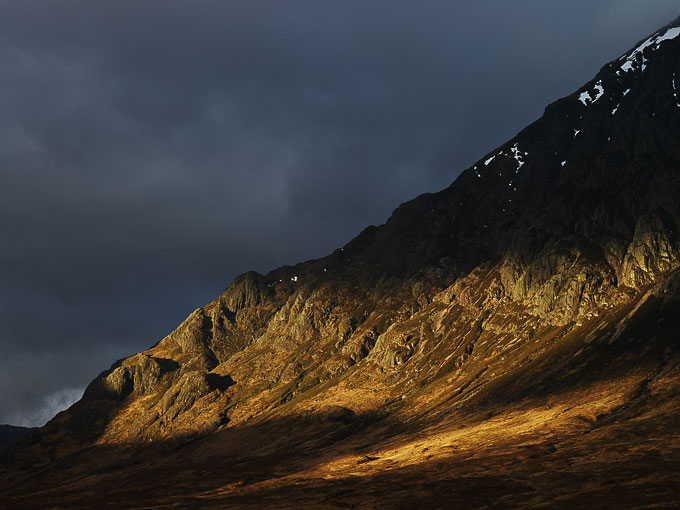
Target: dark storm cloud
(150, 151)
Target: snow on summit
(655, 40)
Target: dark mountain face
(509, 341)
(595, 171)
(10, 434)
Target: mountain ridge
(535, 294)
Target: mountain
(10, 434)
(510, 341)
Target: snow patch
(654, 41)
(486, 163)
(563, 162)
(294, 278)
(518, 155)
(600, 90)
(587, 99)
(671, 33)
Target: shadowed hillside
(10, 434)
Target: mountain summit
(510, 341)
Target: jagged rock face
(548, 257)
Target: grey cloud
(51, 404)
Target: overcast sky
(152, 150)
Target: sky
(150, 151)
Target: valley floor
(578, 449)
